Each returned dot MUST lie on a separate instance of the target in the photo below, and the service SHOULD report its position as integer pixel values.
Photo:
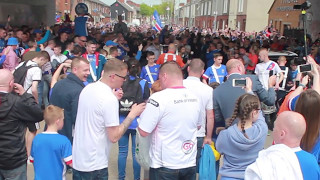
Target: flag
(156, 22)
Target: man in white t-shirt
(172, 118)
(97, 123)
(204, 93)
(32, 79)
(264, 68)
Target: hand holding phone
(304, 68)
(239, 82)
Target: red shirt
(170, 58)
(254, 59)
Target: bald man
(16, 110)
(172, 118)
(264, 68)
(226, 95)
(171, 56)
(288, 131)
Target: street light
(168, 19)
(215, 13)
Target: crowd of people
(179, 87)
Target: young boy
(69, 49)
(217, 72)
(57, 58)
(51, 152)
(150, 72)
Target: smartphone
(239, 82)
(304, 68)
(297, 83)
(270, 73)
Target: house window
(205, 8)
(209, 8)
(225, 6)
(240, 6)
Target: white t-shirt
(263, 69)
(172, 117)
(98, 108)
(205, 94)
(56, 60)
(33, 74)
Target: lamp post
(215, 13)
(168, 19)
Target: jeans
(199, 148)
(40, 92)
(19, 173)
(123, 153)
(46, 87)
(101, 174)
(172, 174)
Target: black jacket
(15, 112)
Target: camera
(304, 6)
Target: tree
(162, 8)
(146, 10)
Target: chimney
(121, 1)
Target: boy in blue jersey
(150, 72)
(51, 152)
(215, 73)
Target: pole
(304, 20)
(215, 15)
(189, 24)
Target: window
(209, 8)
(205, 8)
(239, 24)
(223, 24)
(225, 6)
(240, 6)
(201, 7)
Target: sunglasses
(123, 77)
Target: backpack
(20, 73)
(132, 93)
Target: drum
(81, 8)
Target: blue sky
(149, 2)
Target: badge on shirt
(153, 102)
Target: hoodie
(239, 152)
(15, 113)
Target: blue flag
(156, 22)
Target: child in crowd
(69, 49)
(57, 58)
(51, 152)
(246, 136)
(150, 72)
(217, 72)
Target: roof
(126, 6)
(99, 2)
(271, 6)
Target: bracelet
(302, 85)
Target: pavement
(113, 164)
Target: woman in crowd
(307, 105)
(245, 135)
(135, 90)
